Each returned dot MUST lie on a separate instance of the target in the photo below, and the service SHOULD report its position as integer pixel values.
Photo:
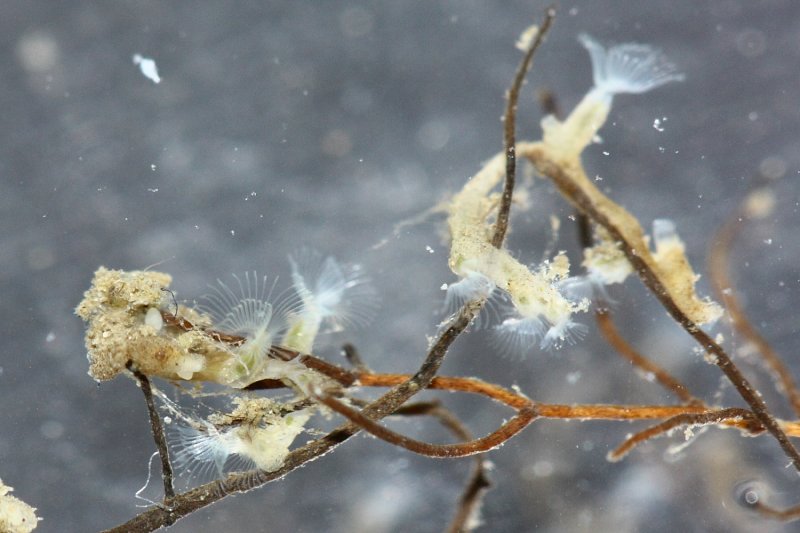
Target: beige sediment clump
(124, 324)
(16, 516)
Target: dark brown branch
(442, 414)
(353, 357)
(702, 419)
(584, 229)
(509, 137)
(278, 352)
(784, 515)
(524, 417)
(718, 261)
(548, 102)
(572, 191)
(160, 438)
(335, 372)
(625, 350)
(471, 499)
(478, 482)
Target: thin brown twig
(160, 438)
(509, 135)
(701, 419)
(354, 358)
(525, 416)
(569, 412)
(549, 104)
(471, 499)
(478, 482)
(335, 372)
(784, 515)
(748, 495)
(718, 261)
(628, 352)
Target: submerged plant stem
(628, 352)
(510, 120)
(571, 181)
(478, 482)
(157, 429)
(718, 261)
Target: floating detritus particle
(148, 67)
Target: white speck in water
(658, 123)
(661, 149)
(233, 233)
(573, 377)
(767, 241)
(752, 116)
(152, 190)
(606, 153)
(148, 67)
(429, 249)
(168, 420)
(50, 337)
(153, 168)
(598, 178)
(443, 287)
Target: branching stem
(509, 132)
(157, 429)
(560, 174)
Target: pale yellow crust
(16, 516)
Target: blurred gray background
(323, 124)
